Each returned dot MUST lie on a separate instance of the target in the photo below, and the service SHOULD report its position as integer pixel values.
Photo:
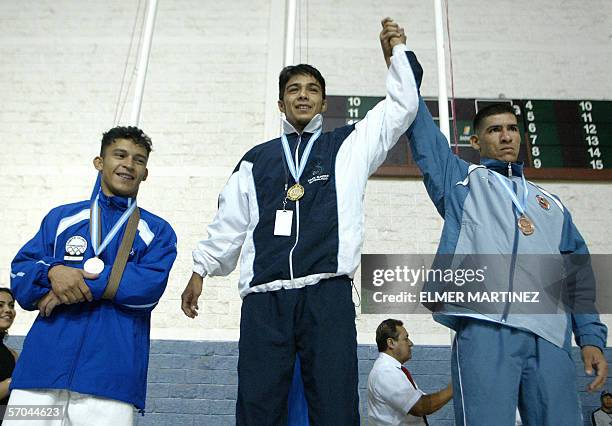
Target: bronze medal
(526, 225)
(543, 202)
(295, 192)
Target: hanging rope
(307, 31)
(450, 61)
(302, 27)
(122, 98)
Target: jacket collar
(315, 124)
(115, 201)
(503, 167)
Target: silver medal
(94, 266)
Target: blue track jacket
(327, 226)
(101, 347)
(479, 218)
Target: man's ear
(475, 142)
(281, 106)
(98, 163)
(390, 343)
(324, 105)
(146, 174)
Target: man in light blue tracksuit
(502, 359)
(88, 349)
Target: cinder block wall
(195, 382)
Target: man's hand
(69, 284)
(47, 303)
(390, 36)
(594, 359)
(190, 295)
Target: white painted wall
(210, 96)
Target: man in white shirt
(393, 396)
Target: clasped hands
(67, 287)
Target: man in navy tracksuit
(294, 208)
(512, 356)
(88, 349)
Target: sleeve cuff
(98, 285)
(414, 398)
(199, 269)
(591, 340)
(401, 47)
(44, 281)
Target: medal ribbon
(297, 172)
(515, 200)
(95, 225)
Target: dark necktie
(411, 380)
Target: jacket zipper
(512, 259)
(297, 213)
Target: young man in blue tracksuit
(293, 212)
(508, 357)
(88, 349)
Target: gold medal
(526, 225)
(295, 192)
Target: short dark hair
(7, 290)
(489, 110)
(132, 133)
(3, 334)
(386, 329)
(302, 69)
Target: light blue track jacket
(479, 218)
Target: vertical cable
(127, 60)
(444, 119)
(306, 31)
(452, 76)
(299, 18)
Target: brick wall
(207, 101)
(195, 383)
(210, 96)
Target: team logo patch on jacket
(543, 202)
(75, 248)
(318, 174)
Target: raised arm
(430, 149)
(367, 146)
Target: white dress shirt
(391, 395)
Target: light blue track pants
(495, 367)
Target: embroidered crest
(75, 248)
(543, 202)
(318, 174)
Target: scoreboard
(560, 139)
